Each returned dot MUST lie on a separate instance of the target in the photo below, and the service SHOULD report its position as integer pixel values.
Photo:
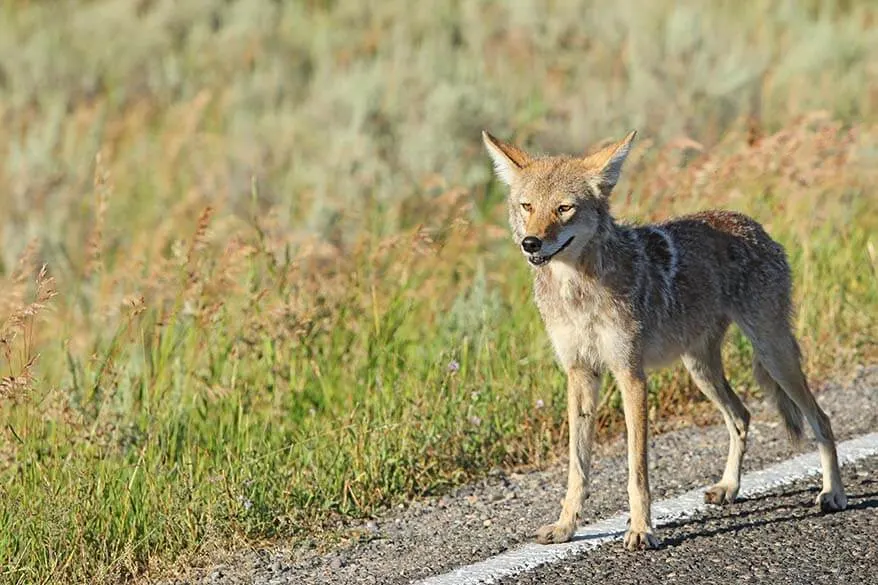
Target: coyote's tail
(792, 416)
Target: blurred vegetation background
(255, 273)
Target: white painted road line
(531, 556)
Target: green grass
(285, 295)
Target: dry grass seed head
(95, 241)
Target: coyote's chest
(583, 322)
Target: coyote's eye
(562, 209)
(527, 207)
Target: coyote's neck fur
(624, 280)
(624, 276)
(621, 259)
(581, 277)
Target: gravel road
(480, 520)
(779, 538)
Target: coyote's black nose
(531, 244)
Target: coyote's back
(699, 272)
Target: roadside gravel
(778, 538)
(479, 520)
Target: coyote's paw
(640, 540)
(555, 533)
(832, 500)
(720, 494)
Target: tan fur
(627, 298)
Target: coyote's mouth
(538, 260)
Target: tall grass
(278, 286)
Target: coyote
(626, 298)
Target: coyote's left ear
(508, 159)
(607, 162)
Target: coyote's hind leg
(778, 354)
(705, 366)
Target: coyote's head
(557, 204)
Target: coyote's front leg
(583, 385)
(632, 384)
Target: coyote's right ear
(508, 159)
(607, 162)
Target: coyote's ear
(508, 159)
(607, 162)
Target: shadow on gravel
(772, 496)
(749, 518)
(864, 504)
(730, 512)
(586, 537)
